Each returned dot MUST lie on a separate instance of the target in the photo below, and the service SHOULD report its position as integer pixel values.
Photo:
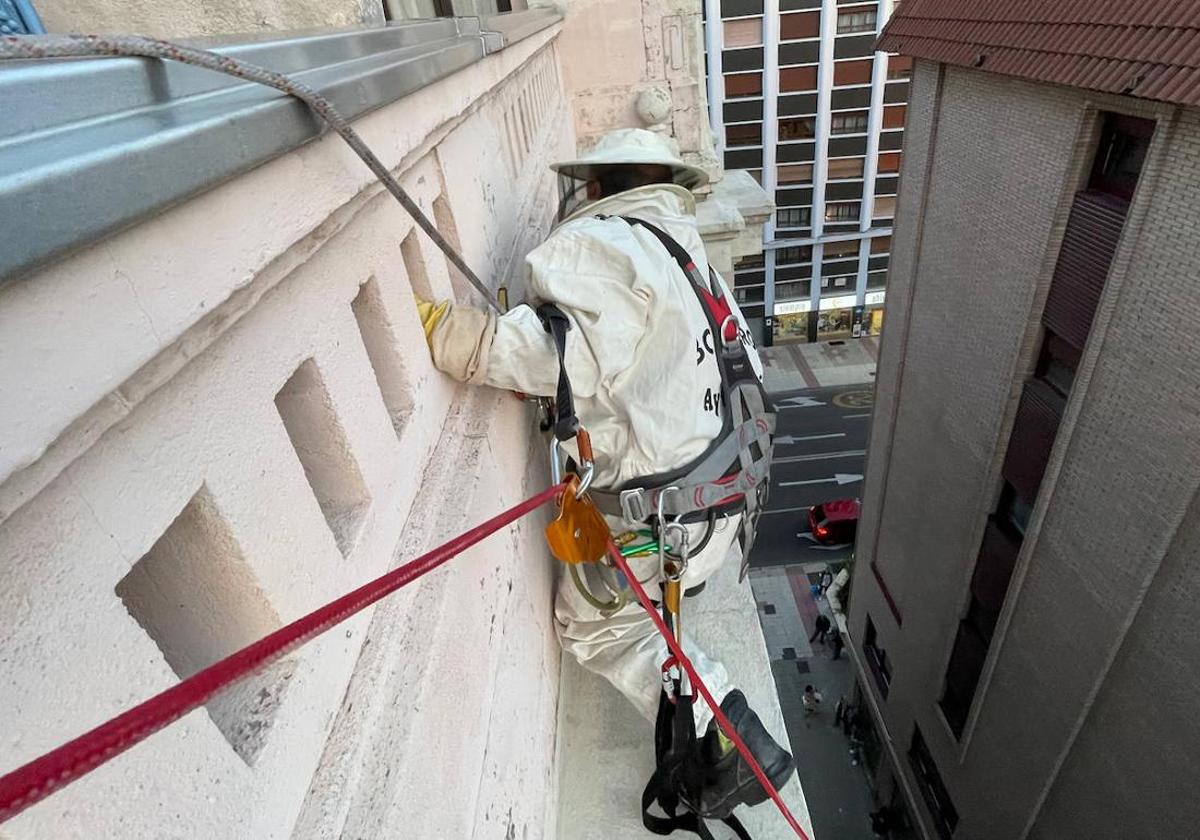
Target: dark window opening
(796, 128)
(1057, 364)
(877, 659)
(784, 256)
(743, 134)
(937, 798)
(1120, 155)
(790, 217)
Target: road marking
(840, 478)
(854, 399)
(820, 456)
(854, 416)
(800, 402)
(787, 440)
(785, 510)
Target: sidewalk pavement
(791, 366)
(834, 780)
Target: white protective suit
(646, 386)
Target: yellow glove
(430, 313)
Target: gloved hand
(430, 313)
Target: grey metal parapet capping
(91, 146)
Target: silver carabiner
(664, 529)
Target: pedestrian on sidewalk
(811, 700)
(838, 644)
(822, 628)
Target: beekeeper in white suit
(646, 385)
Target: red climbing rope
(56, 769)
(686, 664)
(41, 777)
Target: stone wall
(226, 416)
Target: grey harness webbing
(732, 475)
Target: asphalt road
(820, 443)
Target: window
(800, 173)
(877, 659)
(743, 33)
(885, 206)
(743, 134)
(899, 67)
(756, 174)
(937, 798)
(889, 162)
(1124, 142)
(893, 116)
(1057, 364)
(796, 128)
(840, 250)
(881, 245)
(842, 211)
(853, 122)
(751, 261)
(785, 256)
(855, 21)
(797, 78)
(852, 72)
(789, 217)
(743, 84)
(803, 25)
(796, 290)
(845, 168)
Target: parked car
(834, 522)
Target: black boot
(726, 779)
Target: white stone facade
(226, 416)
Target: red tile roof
(1144, 48)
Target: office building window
(756, 174)
(797, 128)
(852, 20)
(743, 84)
(889, 162)
(853, 122)
(881, 245)
(787, 256)
(840, 250)
(798, 26)
(743, 134)
(800, 173)
(842, 211)
(750, 261)
(743, 33)
(852, 72)
(893, 116)
(899, 67)
(885, 207)
(795, 290)
(877, 659)
(797, 78)
(840, 168)
(937, 798)
(790, 217)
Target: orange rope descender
(579, 533)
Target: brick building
(1023, 605)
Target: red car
(834, 522)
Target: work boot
(726, 779)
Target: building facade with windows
(800, 98)
(1022, 612)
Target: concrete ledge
(606, 749)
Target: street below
(820, 447)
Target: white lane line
(839, 478)
(787, 440)
(784, 510)
(855, 416)
(820, 456)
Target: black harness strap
(564, 422)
